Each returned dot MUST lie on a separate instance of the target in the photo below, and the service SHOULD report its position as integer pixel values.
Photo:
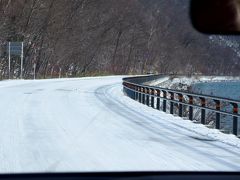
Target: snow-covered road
(87, 124)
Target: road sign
(15, 48)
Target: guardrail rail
(155, 97)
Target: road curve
(87, 124)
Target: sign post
(34, 71)
(21, 76)
(9, 60)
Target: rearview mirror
(216, 16)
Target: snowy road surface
(87, 124)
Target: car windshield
(115, 85)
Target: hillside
(89, 37)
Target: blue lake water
(228, 89)
(225, 89)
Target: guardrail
(153, 96)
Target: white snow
(87, 124)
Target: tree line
(96, 37)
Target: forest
(72, 38)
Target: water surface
(226, 89)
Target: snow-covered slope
(87, 124)
(183, 82)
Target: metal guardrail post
(190, 101)
(164, 101)
(143, 95)
(171, 103)
(124, 89)
(158, 99)
(180, 98)
(136, 93)
(203, 111)
(152, 97)
(140, 94)
(147, 96)
(218, 121)
(235, 118)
